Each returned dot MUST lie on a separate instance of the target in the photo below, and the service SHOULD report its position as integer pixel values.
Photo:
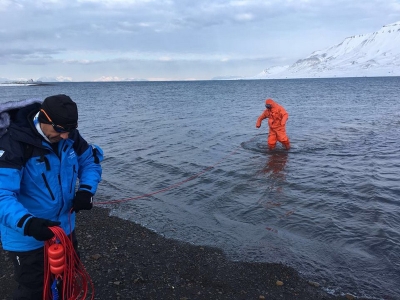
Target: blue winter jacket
(37, 180)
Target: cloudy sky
(86, 40)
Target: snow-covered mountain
(55, 79)
(364, 55)
(31, 81)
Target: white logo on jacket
(1, 153)
(71, 154)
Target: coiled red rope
(65, 277)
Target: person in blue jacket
(48, 172)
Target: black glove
(39, 228)
(83, 201)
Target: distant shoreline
(25, 84)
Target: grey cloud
(70, 33)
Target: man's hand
(39, 228)
(83, 201)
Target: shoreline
(128, 261)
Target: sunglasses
(268, 106)
(59, 128)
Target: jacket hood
(270, 102)
(17, 118)
(16, 112)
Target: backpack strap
(28, 152)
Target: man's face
(51, 134)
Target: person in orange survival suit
(277, 117)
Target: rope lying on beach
(65, 277)
(176, 184)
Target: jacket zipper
(73, 172)
(48, 186)
(59, 182)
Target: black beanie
(61, 110)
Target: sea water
(185, 159)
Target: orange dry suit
(277, 117)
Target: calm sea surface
(185, 160)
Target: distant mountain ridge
(364, 55)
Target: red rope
(75, 281)
(174, 185)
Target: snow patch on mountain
(364, 55)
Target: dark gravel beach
(127, 261)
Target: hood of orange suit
(270, 102)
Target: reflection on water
(275, 164)
(274, 169)
(275, 175)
